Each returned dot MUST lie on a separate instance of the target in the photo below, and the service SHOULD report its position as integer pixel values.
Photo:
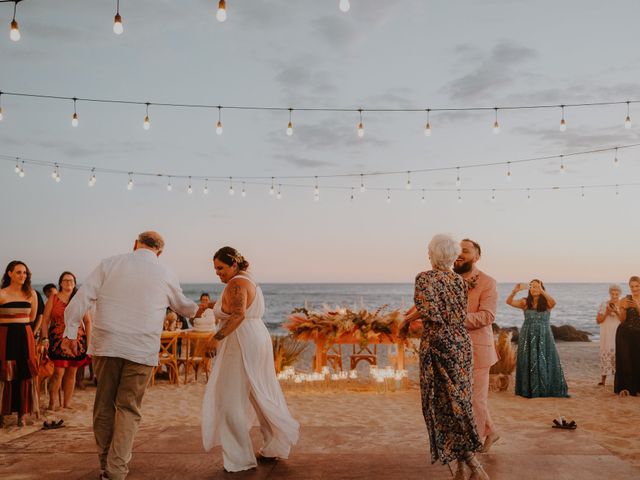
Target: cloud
(490, 72)
(302, 81)
(304, 162)
(580, 139)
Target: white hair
(615, 286)
(443, 251)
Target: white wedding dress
(243, 388)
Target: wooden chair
(334, 357)
(367, 353)
(168, 356)
(197, 356)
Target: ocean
(577, 303)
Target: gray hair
(615, 286)
(152, 240)
(443, 251)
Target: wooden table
(322, 348)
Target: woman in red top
(53, 329)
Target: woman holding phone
(627, 380)
(609, 319)
(538, 369)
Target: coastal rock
(567, 333)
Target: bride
(243, 386)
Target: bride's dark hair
(229, 256)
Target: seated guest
(49, 289)
(627, 380)
(170, 321)
(609, 319)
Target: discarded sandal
(564, 424)
(53, 424)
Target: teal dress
(538, 370)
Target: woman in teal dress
(538, 369)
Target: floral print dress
(446, 365)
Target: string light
(427, 126)
(14, 33)
(496, 125)
(17, 167)
(362, 187)
(147, 122)
(21, 172)
(360, 125)
(130, 183)
(117, 21)
(231, 190)
(493, 196)
(272, 190)
(54, 173)
(279, 194)
(627, 121)
(244, 191)
(458, 179)
(219, 124)
(221, 14)
(92, 178)
(508, 170)
(344, 6)
(189, 188)
(74, 118)
(205, 190)
(388, 195)
(615, 158)
(290, 125)
(408, 184)
(169, 186)
(316, 192)
(1, 113)
(563, 123)
(562, 169)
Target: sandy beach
(610, 421)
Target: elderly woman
(538, 369)
(609, 319)
(446, 360)
(627, 380)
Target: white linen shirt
(131, 293)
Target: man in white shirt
(131, 293)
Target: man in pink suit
(482, 304)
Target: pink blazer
(483, 301)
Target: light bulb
(627, 122)
(169, 186)
(92, 180)
(130, 184)
(244, 191)
(279, 194)
(17, 168)
(1, 115)
(290, 129)
(458, 179)
(205, 190)
(14, 34)
(408, 184)
(563, 125)
(219, 128)
(21, 172)
(496, 127)
(117, 25)
(459, 198)
(189, 189)
(344, 6)
(221, 14)
(147, 123)
(616, 162)
(316, 198)
(389, 198)
(363, 188)
(508, 171)
(562, 169)
(493, 196)
(54, 174)
(58, 179)
(427, 130)
(422, 199)
(272, 190)
(528, 196)
(360, 130)
(74, 120)
(231, 190)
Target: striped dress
(18, 365)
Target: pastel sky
(413, 53)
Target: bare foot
(21, 421)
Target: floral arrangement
(362, 325)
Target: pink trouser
(480, 402)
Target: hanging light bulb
(54, 173)
(458, 179)
(562, 169)
(408, 184)
(563, 124)
(459, 196)
(21, 172)
(74, 118)
(360, 126)
(189, 188)
(344, 5)
(279, 194)
(362, 187)
(130, 183)
(17, 167)
(427, 126)
(231, 190)
(117, 21)
(351, 198)
(205, 190)
(388, 195)
(617, 191)
(147, 122)
(529, 195)
(219, 124)
(290, 125)
(169, 186)
(14, 33)
(615, 158)
(92, 178)
(316, 192)
(1, 114)
(244, 191)
(493, 196)
(272, 190)
(221, 14)
(508, 171)
(496, 125)
(627, 121)
(581, 192)
(422, 200)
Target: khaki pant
(480, 403)
(116, 411)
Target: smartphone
(523, 286)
